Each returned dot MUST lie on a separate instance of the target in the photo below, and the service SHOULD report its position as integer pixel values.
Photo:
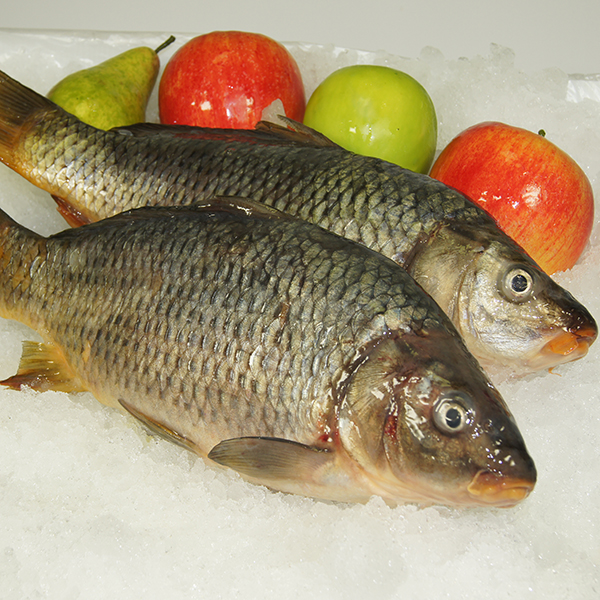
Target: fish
(509, 312)
(265, 344)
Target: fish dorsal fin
(43, 367)
(265, 133)
(232, 205)
(218, 205)
(161, 429)
(191, 132)
(271, 459)
(297, 133)
(241, 206)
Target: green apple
(376, 111)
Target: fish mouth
(491, 489)
(566, 346)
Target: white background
(543, 33)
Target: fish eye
(451, 414)
(518, 284)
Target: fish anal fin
(43, 367)
(160, 429)
(69, 213)
(271, 459)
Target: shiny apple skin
(225, 79)
(376, 111)
(537, 193)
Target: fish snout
(573, 342)
(507, 480)
(491, 489)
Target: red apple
(537, 193)
(226, 79)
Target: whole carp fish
(302, 360)
(508, 311)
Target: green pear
(113, 93)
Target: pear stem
(166, 43)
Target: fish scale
(451, 247)
(268, 345)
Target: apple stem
(166, 43)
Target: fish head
(520, 310)
(422, 420)
(509, 312)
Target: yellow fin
(160, 429)
(270, 459)
(43, 367)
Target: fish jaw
(565, 346)
(555, 347)
(570, 339)
(488, 489)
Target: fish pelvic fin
(19, 106)
(160, 429)
(69, 213)
(43, 367)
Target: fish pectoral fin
(160, 429)
(43, 367)
(271, 459)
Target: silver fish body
(302, 360)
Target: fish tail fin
(43, 366)
(20, 108)
(19, 249)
